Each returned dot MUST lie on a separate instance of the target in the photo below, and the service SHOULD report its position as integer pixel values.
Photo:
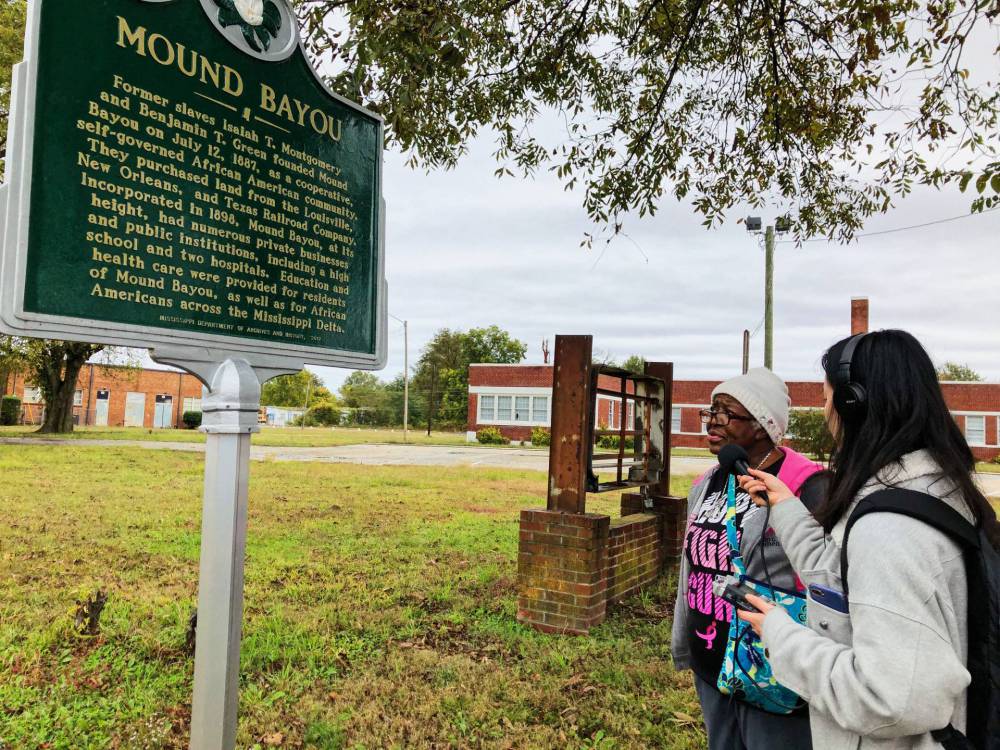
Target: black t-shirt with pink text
(707, 551)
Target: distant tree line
(439, 385)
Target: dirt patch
(455, 640)
(483, 510)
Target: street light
(781, 225)
(406, 377)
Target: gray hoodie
(893, 669)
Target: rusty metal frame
(573, 461)
(571, 405)
(644, 465)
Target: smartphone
(828, 597)
(733, 591)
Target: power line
(902, 229)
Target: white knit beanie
(764, 395)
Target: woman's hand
(760, 482)
(756, 619)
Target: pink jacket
(795, 470)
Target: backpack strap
(918, 505)
(951, 739)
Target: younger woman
(890, 669)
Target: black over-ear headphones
(849, 398)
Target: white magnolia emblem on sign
(259, 20)
(251, 10)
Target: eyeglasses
(721, 416)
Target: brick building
(518, 398)
(114, 396)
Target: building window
(522, 409)
(675, 419)
(192, 404)
(975, 430)
(77, 398)
(32, 394)
(497, 409)
(487, 408)
(540, 409)
(504, 408)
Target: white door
(164, 414)
(101, 412)
(135, 409)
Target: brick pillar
(562, 570)
(859, 315)
(673, 511)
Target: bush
(491, 436)
(191, 419)
(10, 410)
(809, 434)
(996, 459)
(326, 414)
(611, 441)
(541, 436)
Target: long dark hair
(905, 412)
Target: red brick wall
(119, 381)
(571, 566)
(972, 396)
(524, 376)
(472, 418)
(562, 570)
(634, 554)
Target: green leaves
(804, 105)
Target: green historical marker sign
(181, 177)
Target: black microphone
(733, 459)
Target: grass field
(379, 613)
(285, 437)
(308, 437)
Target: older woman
(750, 411)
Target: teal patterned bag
(746, 673)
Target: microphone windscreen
(733, 459)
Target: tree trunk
(56, 375)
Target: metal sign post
(230, 417)
(229, 407)
(201, 194)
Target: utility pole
(406, 381)
(781, 225)
(406, 377)
(769, 297)
(746, 351)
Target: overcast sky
(465, 249)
